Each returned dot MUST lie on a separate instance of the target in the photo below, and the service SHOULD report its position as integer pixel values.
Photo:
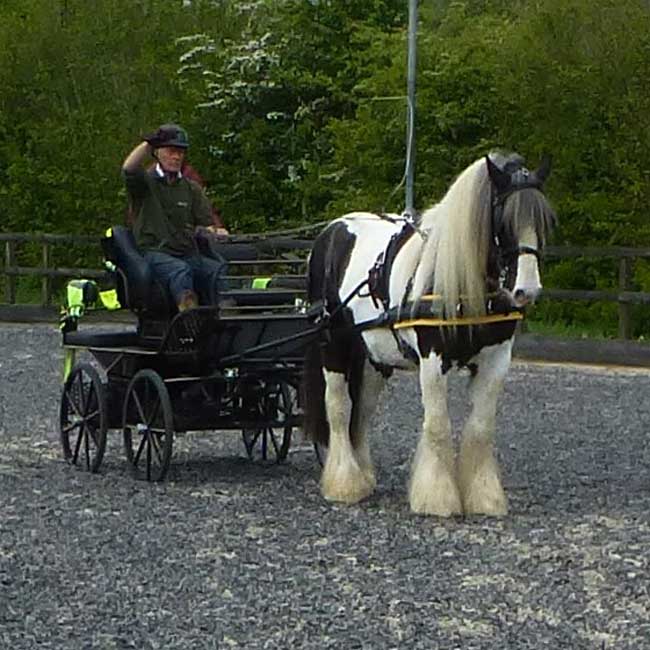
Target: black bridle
(507, 253)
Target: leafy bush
(297, 112)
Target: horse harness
(379, 274)
(498, 308)
(521, 179)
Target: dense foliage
(296, 108)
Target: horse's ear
(500, 178)
(544, 170)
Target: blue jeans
(191, 273)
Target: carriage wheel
(83, 419)
(270, 443)
(148, 426)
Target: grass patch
(29, 291)
(564, 330)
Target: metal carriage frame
(227, 367)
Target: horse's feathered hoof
(347, 489)
(438, 505)
(349, 497)
(480, 483)
(494, 505)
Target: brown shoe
(189, 300)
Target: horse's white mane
(454, 259)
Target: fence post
(46, 281)
(624, 308)
(10, 283)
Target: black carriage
(233, 366)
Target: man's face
(171, 158)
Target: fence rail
(623, 294)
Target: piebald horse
(429, 297)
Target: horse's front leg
(479, 478)
(343, 479)
(433, 489)
(371, 388)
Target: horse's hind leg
(343, 478)
(433, 489)
(371, 387)
(479, 478)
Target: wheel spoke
(152, 418)
(87, 448)
(71, 402)
(93, 434)
(274, 441)
(138, 406)
(250, 444)
(70, 427)
(83, 394)
(155, 446)
(264, 444)
(148, 459)
(77, 446)
(285, 408)
(92, 400)
(136, 458)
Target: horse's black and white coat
(483, 239)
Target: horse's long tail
(327, 263)
(315, 422)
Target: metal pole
(410, 113)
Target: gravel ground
(228, 554)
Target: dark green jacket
(166, 213)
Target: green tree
(270, 96)
(296, 108)
(81, 81)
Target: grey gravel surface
(228, 554)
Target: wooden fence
(281, 253)
(11, 271)
(47, 272)
(622, 294)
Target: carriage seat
(276, 292)
(139, 291)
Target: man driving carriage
(169, 208)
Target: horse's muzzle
(525, 296)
